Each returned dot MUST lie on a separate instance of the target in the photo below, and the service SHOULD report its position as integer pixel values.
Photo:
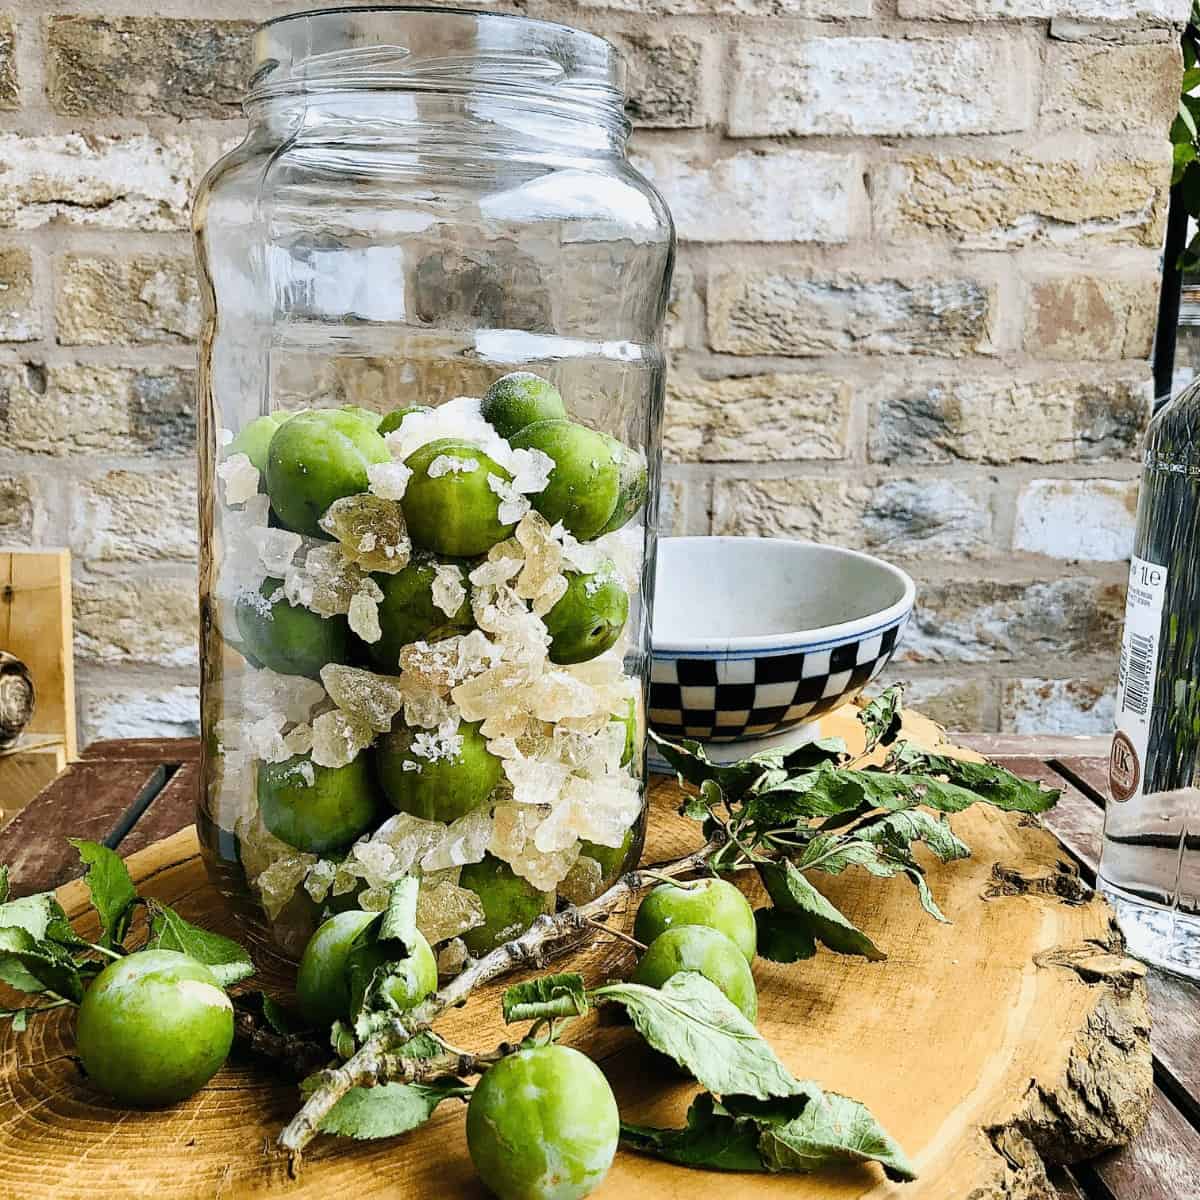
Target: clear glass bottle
(1150, 862)
(417, 657)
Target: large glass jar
(430, 403)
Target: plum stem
(381, 1059)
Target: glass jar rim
(442, 50)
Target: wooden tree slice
(1012, 1038)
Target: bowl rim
(795, 641)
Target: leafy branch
(1185, 138)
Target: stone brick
(758, 196)
(999, 203)
(759, 418)
(801, 312)
(813, 9)
(917, 87)
(19, 510)
(1078, 318)
(127, 301)
(1058, 706)
(682, 307)
(137, 712)
(1108, 89)
(132, 181)
(1085, 519)
(663, 86)
(147, 66)
(915, 518)
(1007, 420)
(1173, 11)
(135, 515)
(60, 410)
(20, 320)
(988, 620)
(954, 703)
(9, 87)
(136, 622)
(672, 508)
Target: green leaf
(805, 908)
(881, 718)
(227, 960)
(1191, 80)
(41, 916)
(1184, 153)
(1185, 116)
(690, 1020)
(693, 766)
(561, 995)
(699, 806)
(814, 753)
(781, 938)
(713, 1138)
(901, 829)
(342, 1039)
(388, 1109)
(20, 1020)
(990, 783)
(817, 1130)
(32, 965)
(812, 1130)
(399, 922)
(110, 888)
(276, 1016)
(4, 888)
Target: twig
(620, 935)
(378, 1058)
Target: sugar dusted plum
(585, 483)
(589, 616)
(316, 808)
(510, 904)
(715, 903)
(410, 613)
(437, 775)
(452, 502)
(395, 418)
(289, 638)
(519, 399)
(316, 458)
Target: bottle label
(1135, 684)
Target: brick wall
(915, 298)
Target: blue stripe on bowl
(799, 648)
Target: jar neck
(479, 120)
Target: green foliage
(1185, 140)
(789, 813)
(227, 960)
(387, 1109)
(546, 998)
(690, 1019)
(112, 892)
(810, 1131)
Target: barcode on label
(1137, 672)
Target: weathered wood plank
(87, 800)
(1074, 820)
(1041, 745)
(154, 749)
(171, 810)
(1092, 772)
(1162, 1163)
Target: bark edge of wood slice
(1014, 1038)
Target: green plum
(318, 457)
(412, 979)
(612, 859)
(290, 639)
(317, 808)
(436, 788)
(519, 399)
(393, 420)
(715, 903)
(510, 904)
(363, 414)
(449, 505)
(340, 959)
(322, 980)
(634, 482)
(585, 483)
(588, 617)
(153, 1028)
(542, 1124)
(254, 438)
(712, 954)
(408, 614)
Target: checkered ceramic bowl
(753, 636)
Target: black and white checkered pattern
(721, 699)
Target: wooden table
(129, 794)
